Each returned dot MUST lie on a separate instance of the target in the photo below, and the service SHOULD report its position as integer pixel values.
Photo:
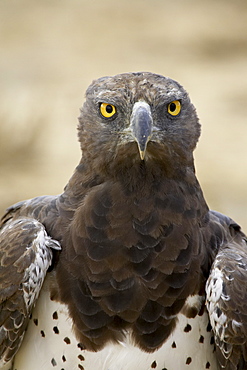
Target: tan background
(52, 49)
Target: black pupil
(172, 107)
(109, 108)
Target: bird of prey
(127, 268)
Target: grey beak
(141, 125)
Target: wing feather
(25, 256)
(227, 300)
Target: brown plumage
(137, 238)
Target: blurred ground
(52, 49)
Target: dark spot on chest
(67, 340)
(187, 328)
(209, 327)
(36, 322)
(53, 362)
(201, 339)
(55, 329)
(81, 346)
(188, 360)
(55, 315)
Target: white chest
(50, 344)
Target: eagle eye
(174, 107)
(107, 110)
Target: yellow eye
(107, 110)
(174, 107)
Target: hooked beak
(141, 125)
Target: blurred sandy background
(51, 50)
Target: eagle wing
(25, 256)
(227, 299)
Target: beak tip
(142, 154)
